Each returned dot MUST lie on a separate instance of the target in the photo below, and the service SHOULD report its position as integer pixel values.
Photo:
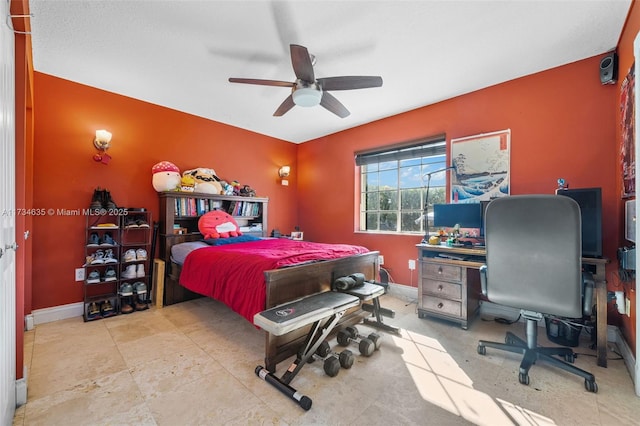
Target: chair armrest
(588, 286)
(483, 279)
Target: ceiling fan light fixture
(307, 96)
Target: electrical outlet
(79, 274)
(380, 259)
(412, 264)
(627, 303)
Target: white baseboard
(56, 313)
(627, 355)
(404, 292)
(21, 389)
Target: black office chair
(534, 264)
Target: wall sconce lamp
(284, 174)
(102, 142)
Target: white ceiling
(180, 54)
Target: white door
(7, 223)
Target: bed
(252, 276)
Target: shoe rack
(117, 253)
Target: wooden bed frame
(285, 285)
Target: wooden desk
(449, 288)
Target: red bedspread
(234, 273)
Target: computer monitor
(590, 202)
(467, 215)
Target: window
(394, 183)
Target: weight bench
(323, 311)
(356, 285)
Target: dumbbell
(367, 345)
(332, 360)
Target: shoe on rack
(130, 223)
(98, 258)
(93, 312)
(141, 254)
(126, 307)
(129, 272)
(140, 270)
(94, 240)
(110, 274)
(109, 257)
(108, 201)
(142, 223)
(107, 240)
(96, 200)
(129, 255)
(141, 305)
(126, 289)
(107, 309)
(93, 277)
(139, 288)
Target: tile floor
(193, 364)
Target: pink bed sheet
(234, 273)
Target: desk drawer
(439, 271)
(442, 289)
(443, 306)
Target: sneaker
(108, 201)
(139, 288)
(130, 223)
(93, 312)
(140, 270)
(110, 274)
(107, 309)
(94, 240)
(142, 223)
(129, 272)
(130, 255)
(141, 254)
(98, 257)
(107, 240)
(96, 200)
(126, 289)
(107, 225)
(94, 277)
(109, 257)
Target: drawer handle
(440, 270)
(440, 288)
(440, 305)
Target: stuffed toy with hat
(218, 224)
(166, 176)
(206, 180)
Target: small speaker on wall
(609, 68)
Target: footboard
(284, 285)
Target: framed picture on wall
(480, 167)
(627, 130)
(297, 235)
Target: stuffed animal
(218, 224)
(166, 176)
(236, 187)
(206, 180)
(187, 183)
(227, 189)
(247, 191)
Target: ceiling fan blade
(261, 82)
(333, 105)
(349, 82)
(301, 62)
(284, 107)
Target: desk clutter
(323, 311)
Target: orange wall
(67, 115)
(626, 60)
(562, 124)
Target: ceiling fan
(308, 91)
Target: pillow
(231, 240)
(218, 224)
(180, 251)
